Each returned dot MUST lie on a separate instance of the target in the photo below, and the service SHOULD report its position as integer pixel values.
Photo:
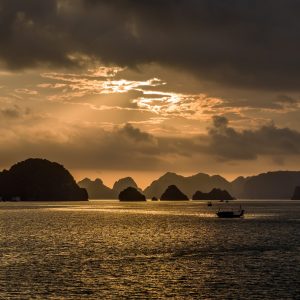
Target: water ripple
(113, 250)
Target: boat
(230, 213)
(209, 203)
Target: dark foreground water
(111, 250)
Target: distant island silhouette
(131, 194)
(214, 194)
(173, 193)
(97, 190)
(296, 195)
(39, 180)
(188, 185)
(271, 185)
(123, 183)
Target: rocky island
(173, 193)
(131, 194)
(39, 180)
(214, 194)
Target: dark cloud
(220, 122)
(128, 148)
(136, 134)
(229, 144)
(13, 112)
(124, 148)
(247, 43)
(30, 34)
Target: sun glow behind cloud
(151, 95)
(92, 111)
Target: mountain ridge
(97, 190)
(188, 185)
(268, 185)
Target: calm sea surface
(112, 250)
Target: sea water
(152, 250)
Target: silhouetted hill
(188, 184)
(271, 185)
(96, 189)
(214, 194)
(173, 193)
(131, 194)
(296, 195)
(124, 183)
(39, 180)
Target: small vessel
(230, 213)
(209, 203)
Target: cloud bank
(229, 144)
(246, 43)
(129, 148)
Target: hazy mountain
(39, 180)
(271, 185)
(237, 186)
(296, 195)
(123, 184)
(214, 194)
(188, 185)
(97, 190)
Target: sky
(113, 88)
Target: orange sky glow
(137, 98)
